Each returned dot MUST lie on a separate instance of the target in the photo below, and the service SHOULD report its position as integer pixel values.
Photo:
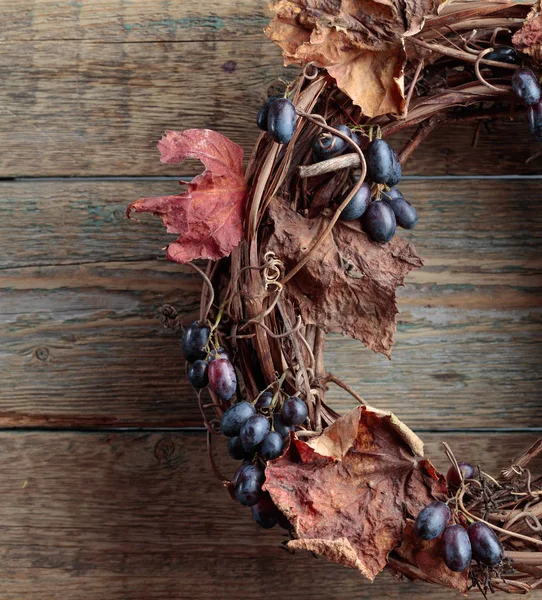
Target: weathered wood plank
(142, 516)
(82, 344)
(142, 21)
(91, 108)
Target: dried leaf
(348, 284)
(359, 43)
(348, 491)
(427, 556)
(529, 38)
(209, 216)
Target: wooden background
(105, 488)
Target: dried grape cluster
(377, 203)
(256, 430)
(459, 544)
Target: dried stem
(344, 386)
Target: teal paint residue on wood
(172, 25)
(212, 22)
(99, 215)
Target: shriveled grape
(261, 118)
(432, 520)
(358, 205)
(505, 54)
(526, 87)
(328, 145)
(248, 485)
(280, 427)
(452, 477)
(253, 432)
(195, 338)
(294, 411)
(382, 163)
(405, 214)
(486, 547)
(281, 120)
(456, 548)
(379, 222)
(265, 513)
(197, 374)
(396, 170)
(264, 401)
(236, 450)
(234, 417)
(271, 446)
(222, 378)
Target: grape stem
(498, 90)
(461, 54)
(330, 377)
(320, 121)
(525, 538)
(205, 312)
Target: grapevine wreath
(303, 242)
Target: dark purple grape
(526, 87)
(452, 477)
(265, 513)
(379, 222)
(264, 401)
(240, 470)
(456, 548)
(222, 378)
(197, 374)
(397, 171)
(504, 54)
(236, 450)
(486, 547)
(328, 145)
(271, 447)
(234, 418)
(535, 120)
(405, 214)
(382, 163)
(261, 118)
(432, 520)
(281, 428)
(294, 411)
(253, 432)
(195, 338)
(358, 205)
(281, 120)
(248, 485)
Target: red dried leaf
(348, 284)
(359, 43)
(347, 492)
(209, 216)
(529, 38)
(427, 557)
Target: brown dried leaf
(359, 43)
(529, 38)
(348, 284)
(347, 491)
(427, 556)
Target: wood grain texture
(76, 107)
(80, 302)
(113, 21)
(139, 516)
